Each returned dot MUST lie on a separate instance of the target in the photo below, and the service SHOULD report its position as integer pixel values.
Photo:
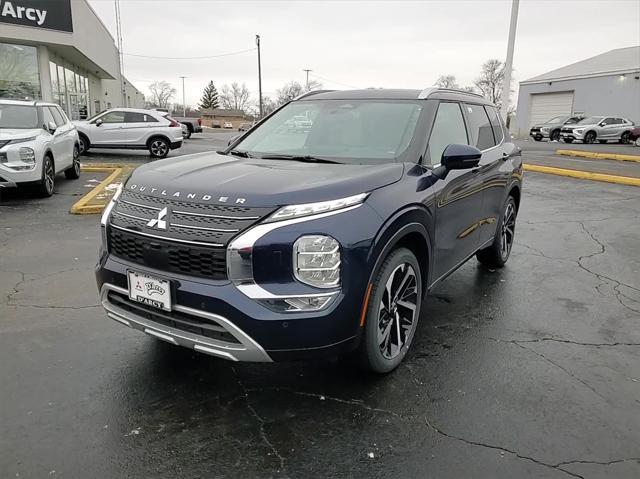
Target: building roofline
(586, 75)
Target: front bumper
(572, 135)
(197, 129)
(536, 133)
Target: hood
(206, 177)
(18, 133)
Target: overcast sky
(359, 43)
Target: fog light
(298, 304)
(316, 261)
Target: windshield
(18, 116)
(557, 119)
(592, 120)
(342, 130)
(572, 121)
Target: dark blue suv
(318, 232)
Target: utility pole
(259, 76)
(123, 95)
(184, 105)
(506, 87)
(307, 70)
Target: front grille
(535, 130)
(168, 256)
(174, 319)
(566, 130)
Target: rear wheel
(392, 313)
(638, 142)
(590, 137)
(624, 139)
(159, 148)
(73, 173)
(497, 254)
(46, 186)
(83, 143)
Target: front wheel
(497, 254)
(73, 173)
(46, 185)
(159, 148)
(84, 144)
(555, 135)
(638, 142)
(590, 137)
(392, 312)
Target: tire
(624, 139)
(392, 313)
(497, 254)
(47, 184)
(568, 140)
(73, 173)
(537, 138)
(84, 144)
(188, 134)
(555, 135)
(602, 142)
(590, 137)
(159, 147)
(638, 142)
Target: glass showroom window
(19, 72)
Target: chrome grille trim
(139, 205)
(201, 243)
(202, 228)
(219, 217)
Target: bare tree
(288, 92)
(313, 85)
(491, 81)
(161, 93)
(447, 81)
(234, 97)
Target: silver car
(598, 128)
(551, 129)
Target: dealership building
(60, 51)
(607, 84)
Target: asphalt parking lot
(529, 371)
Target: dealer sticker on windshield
(149, 290)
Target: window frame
(54, 111)
(45, 122)
(500, 124)
(483, 108)
(427, 153)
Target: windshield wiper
(240, 153)
(304, 159)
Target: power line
(191, 58)
(333, 81)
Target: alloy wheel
(159, 148)
(83, 147)
(396, 315)
(508, 230)
(49, 176)
(76, 160)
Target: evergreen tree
(209, 99)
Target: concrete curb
(81, 207)
(584, 175)
(599, 156)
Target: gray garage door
(545, 106)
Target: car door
(56, 139)
(108, 129)
(64, 134)
(458, 197)
(607, 129)
(139, 126)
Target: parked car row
(587, 130)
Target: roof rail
(424, 94)
(309, 93)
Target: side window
(496, 124)
(62, 114)
(479, 127)
(448, 128)
(56, 116)
(618, 121)
(133, 117)
(608, 121)
(47, 117)
(113, 117)
(150, 119)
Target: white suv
(133, 129)
(37, 141)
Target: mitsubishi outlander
(321, 241)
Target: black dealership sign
(49, 14)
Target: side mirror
(460, 157)
(98, 122)
(51, 127)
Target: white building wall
(604, 95)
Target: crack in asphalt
(562, 340)
(363, 405)
(598, 463)
(261, 421)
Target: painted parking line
(599, 156)
(584, 175)
(84, 206)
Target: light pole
(184, 105)
(307, 70)
(506, 87)
(259, 76)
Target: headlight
(295, 211)
(579, 131)
(27, 155)
(316, 261)
(544, 129)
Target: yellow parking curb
(599, 156)
(81, 207)
(584, 175)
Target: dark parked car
(246, 126)
(634, 136)
(551, 129)
(292, 244)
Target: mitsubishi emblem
(160, 221)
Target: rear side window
(479, 127)
(496, 124)
(56, 116)
(134, 117)
(448, 128)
